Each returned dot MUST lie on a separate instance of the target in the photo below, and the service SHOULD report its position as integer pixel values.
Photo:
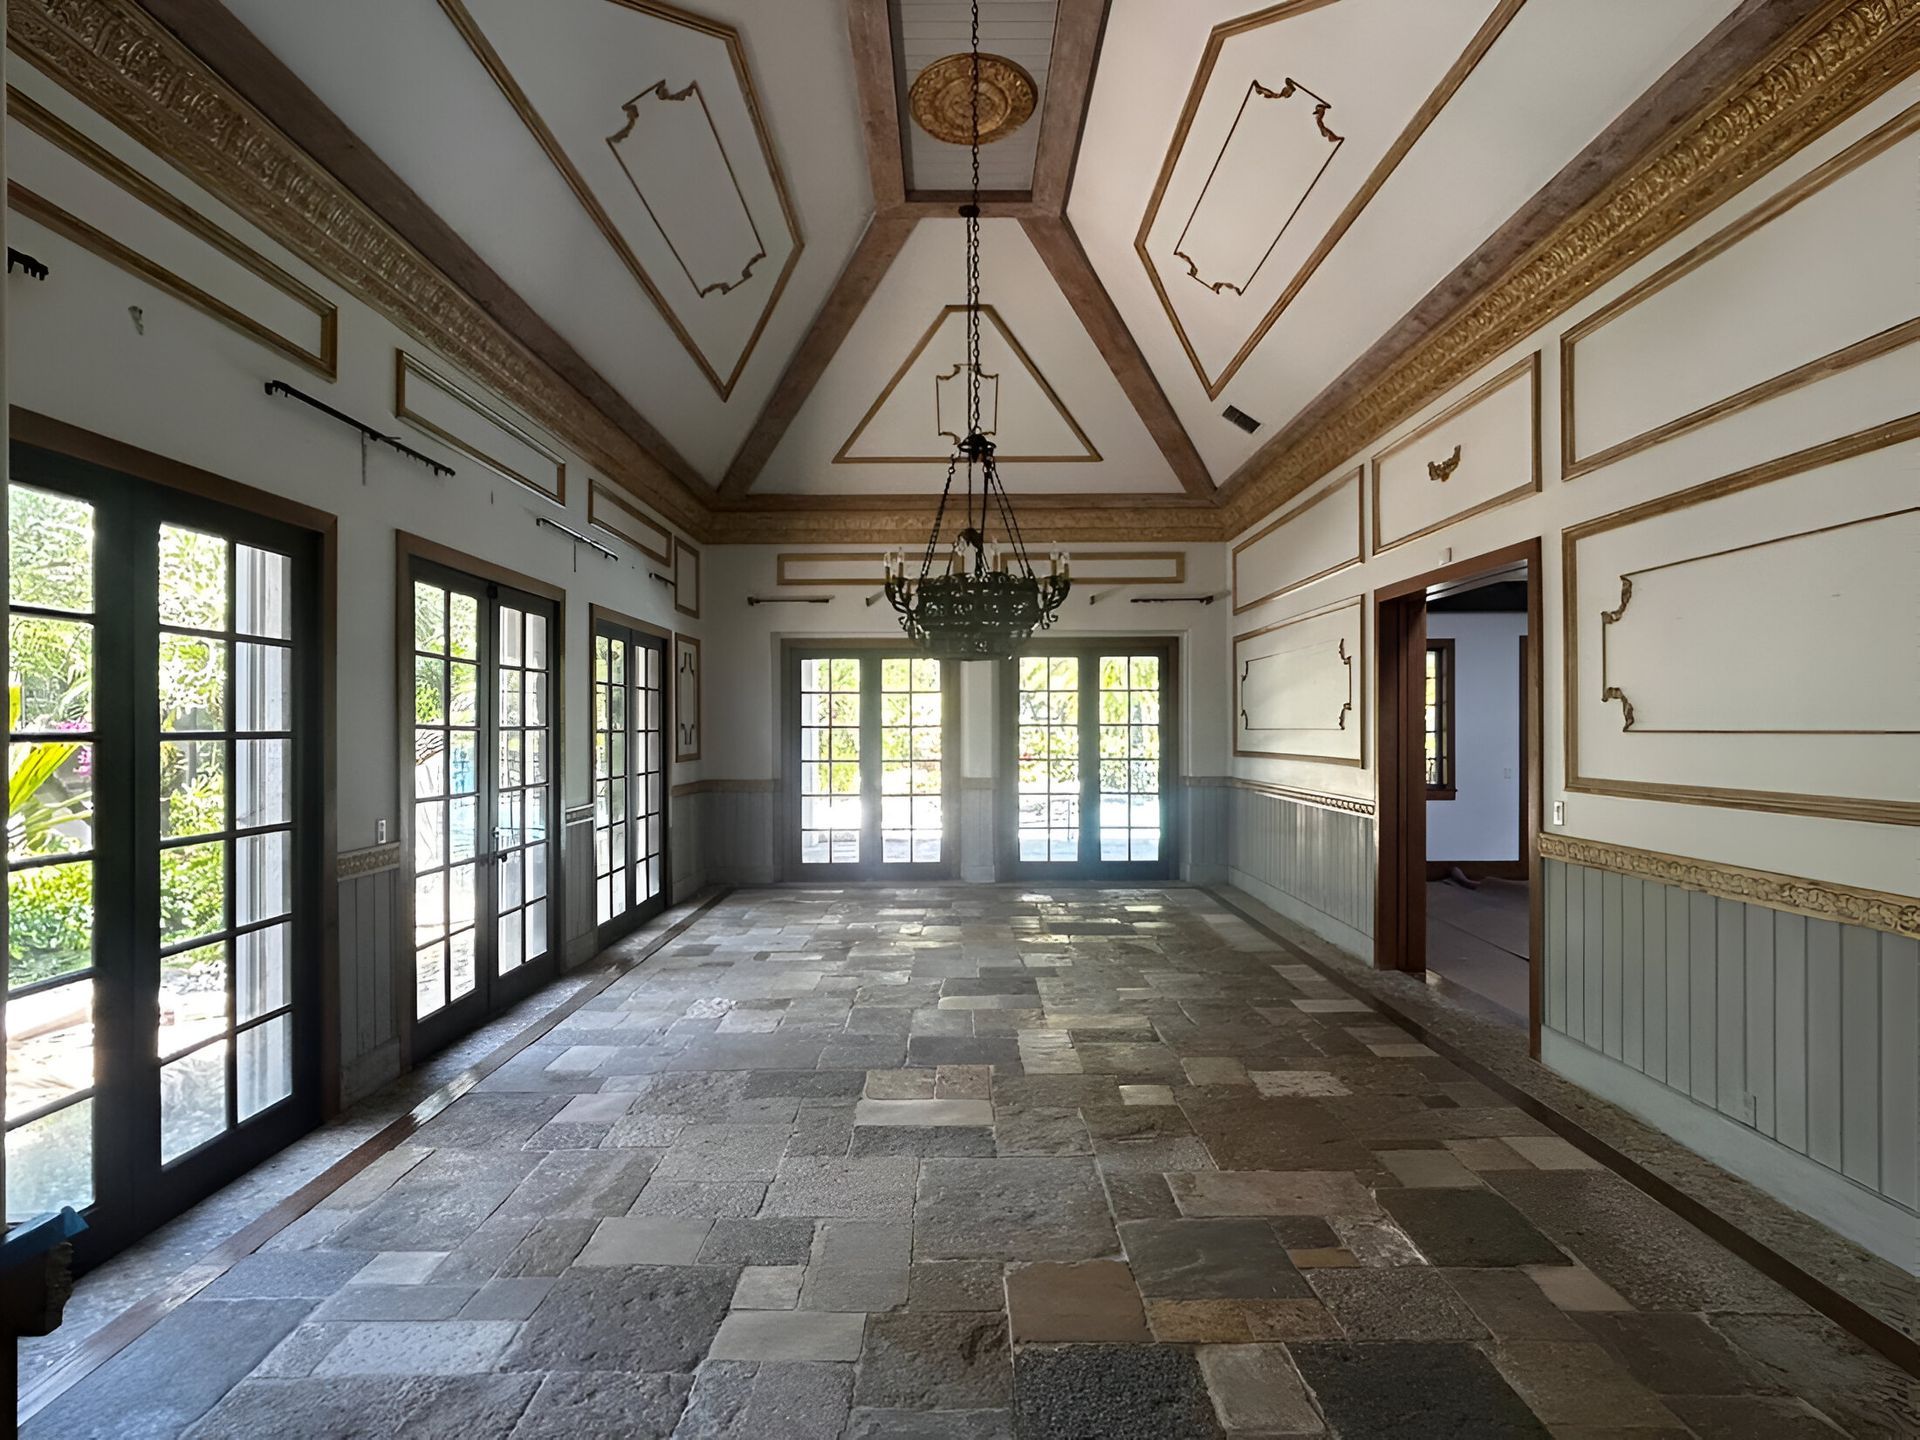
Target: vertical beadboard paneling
(1860, 1055)
(369, 1028)
(1321, 857)
(1757, 1045)
(1899, 1069)
(1730, 1006)
(1806, 1031)
(1823, 1042)
(1790, 1012)
(1633, 971)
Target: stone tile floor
(955, 1164)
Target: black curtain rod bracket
(666, 580)
(576, 536)
(1173, 600)
(367, 432)
(36, 269)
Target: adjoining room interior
(1478, 912)
(961, 719)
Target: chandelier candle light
(984, 599)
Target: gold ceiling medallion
(702, 253)
(942, 104)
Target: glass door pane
(51, 860)
(1047, 765)
(1129, 757)
(629, 777)
(446, 789)
(831, 815)
(523, 789)
(912, 726)
(1087, 729)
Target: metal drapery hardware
(367, 432)
(791, 600)
(666, 580)
(36, 269)
(1173, 600)
(576, 536)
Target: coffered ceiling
(724, 225)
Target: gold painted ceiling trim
(1874, 909)
(1826, 69)
(115, 58)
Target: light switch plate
(1559, 812)
(380, 832)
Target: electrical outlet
(380, 832)
(1559, 812)
(1507, 774)
(1749, 1107)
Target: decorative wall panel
(1295, 119)
(1728, 640)
(686, 698)
(686, 579)
(1320, 536)
(650, 116)
(1761, 307)
(830, 567)
(63, 181)
(1300, 687)
(1480, 452)
(1312, 863)
(442, 407)
(617, 515)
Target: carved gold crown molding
(1874, 909)
(1841, 58)
(118, 60)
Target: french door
(482, 735)
(1088, 728)
(869, 731)
(629, 776)
(163, 844)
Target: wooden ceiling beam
(870, 32)
(871, 260)
(1060, 248)
(1077, 28)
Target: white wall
(1482, 821)
(1755, 710)
(190, 388)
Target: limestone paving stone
(1267, 1192)
(869, 1424)
(769, 1287)
(758, 1242)
(625, 1318)
(1210, 1260)
(1413, 1391)
(418, 1347)
(1014, 1208)
(965, 1142)
(635, 1407)
(1256, 1388)
(743, 1400)
(934, 1362)
(1094, 1301)
(764, 1335)
(956, 1285)
(419, 1407)
(1404, 1303)
(871, 1187)
(1116, 1392)
(1469, 1228)
(696, 1199)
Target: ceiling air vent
(1241, 418)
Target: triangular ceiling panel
(872, 424)
(922, 410)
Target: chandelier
(983, 598)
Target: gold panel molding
(686, 579)
(941, 98)
(1359, 543)
(49, 126)
(1573, 464)
(991, 317)
(496, 67)
(1820, 899)
(852, 567)
(687, 724)
(1443, 469)
(1430, 108)
(1836, 807)
(1350, 804)
(352, 864)
(1356, 666)
(617, 515)
(114, 57)
(1826, 69)
(407, 368)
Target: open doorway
(1460, 780)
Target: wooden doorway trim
(1400, 631)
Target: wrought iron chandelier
(984, 598)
